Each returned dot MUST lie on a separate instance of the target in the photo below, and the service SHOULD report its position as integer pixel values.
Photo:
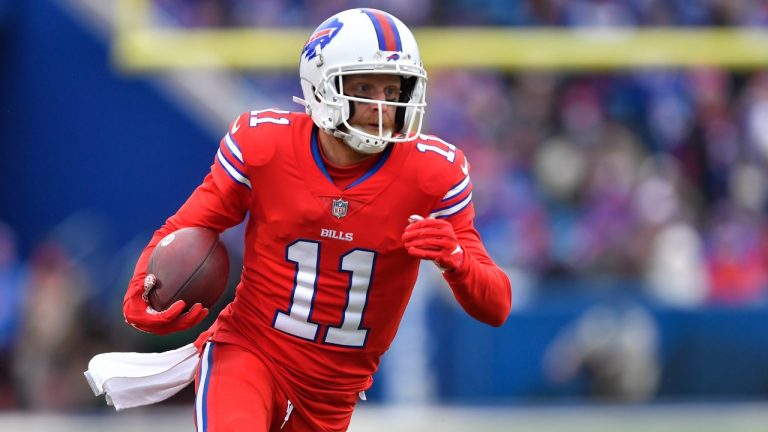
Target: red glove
(142, 316)
(433, 239)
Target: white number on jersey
(447, 150)
(297, 321)
(256, 120)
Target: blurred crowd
(210, 13)
(654, 176)
(653, 181)
(44, 326)
(62, 305)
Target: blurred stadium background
(619, 152)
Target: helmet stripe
(386, 30)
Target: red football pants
(236, 392)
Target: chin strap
(360, 143)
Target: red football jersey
(326, 278)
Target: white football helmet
(362, 41)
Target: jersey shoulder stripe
(233, 147)
(451, 210)
(445, 174)
(458, 189)
(230, 150)
(231, 171)
(230, 158)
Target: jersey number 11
(296, 320)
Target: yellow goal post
(139, 46)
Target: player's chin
(373, 129)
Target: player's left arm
(448, 237)
(482, 289)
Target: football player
(343, 201)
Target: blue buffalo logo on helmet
(321, 37)
(393, 57)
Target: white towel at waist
(136, 379)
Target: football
(191, 264)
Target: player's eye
(391, 93)
(363, 90)
(368, 91)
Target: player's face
(381, 87)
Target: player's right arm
(220, 202)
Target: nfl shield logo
(339, 208)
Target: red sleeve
(479, 285)
(215, 204)
(482, 289)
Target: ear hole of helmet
(337, 83)
(407, 84)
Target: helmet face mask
(362, 41)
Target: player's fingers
(422, 223)
(423, 253)
(430, 243)
(195, 314)
(418, 224)
(195, 310)
(138, 313)
(423, 226)
(431, 248)
(173, 311)
(427, 233)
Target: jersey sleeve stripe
(228, 149)
(232, 171)
(448, 211)
(456, 190)
(233, 147)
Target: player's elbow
(493, 312)
(488, 303)
(501, 307)
(499, 315)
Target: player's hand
(433, 239)
(142, 316)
